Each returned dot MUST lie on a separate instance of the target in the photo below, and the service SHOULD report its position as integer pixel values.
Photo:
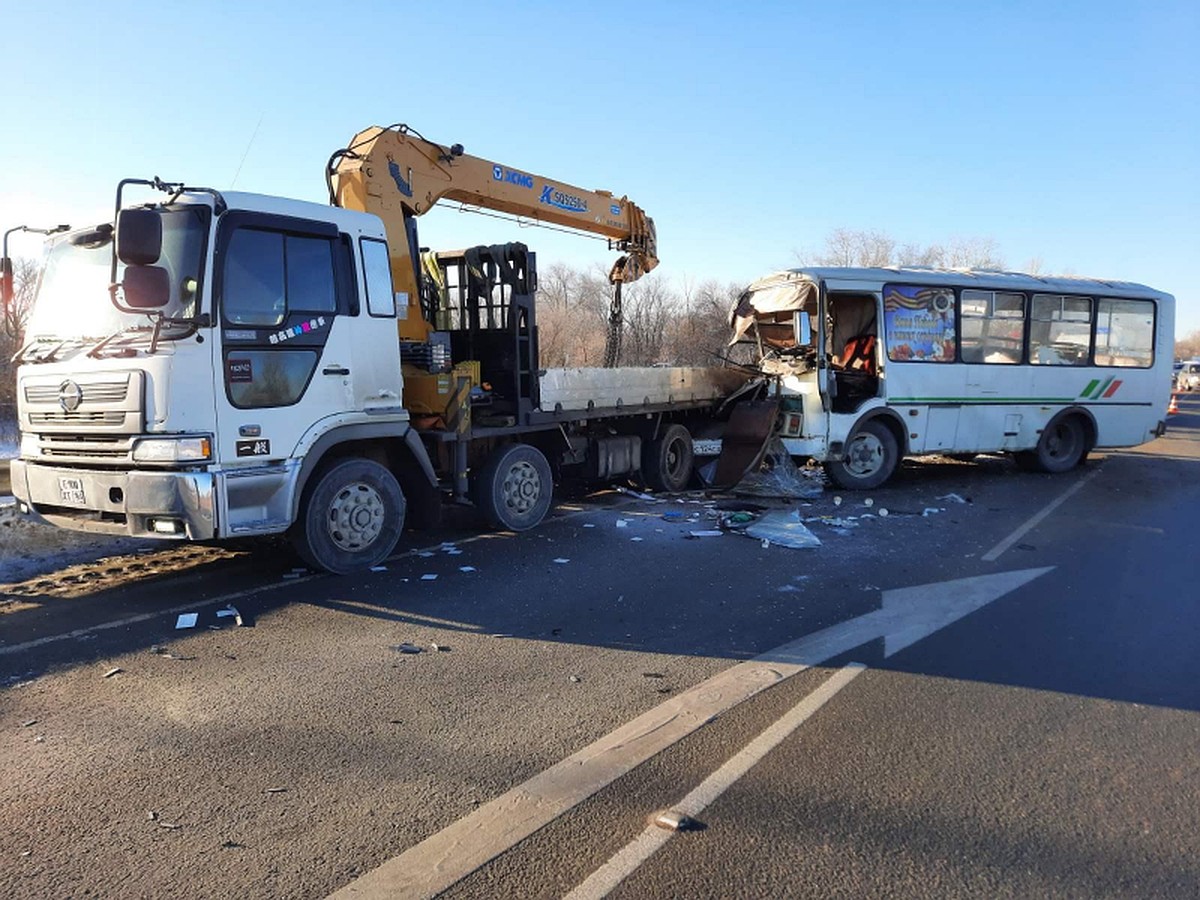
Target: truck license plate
(70, 490)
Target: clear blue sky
(1068, 132)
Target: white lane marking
(160, 613)
(906, 616)
(994, 554)
(229, 598)
(623, 864)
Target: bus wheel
(1061, 447)
(667, 461)
(870, 458)
(515, 487)
(350, 518)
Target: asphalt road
(1043, 745)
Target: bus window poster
(919, 322)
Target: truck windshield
(73, 299)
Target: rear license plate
(70, 490)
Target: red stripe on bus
(1112, 390)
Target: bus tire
(351, 516)
(667, 461)
(1062, 446)
(515, 487)
(870, 458)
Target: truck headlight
(31, 447)
(172, 450)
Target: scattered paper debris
(378, 568)
(952, 498)
(186, 620)
(429, 576)
(635, 539)
(275, 790)
(466, 568)
(575, 679)
(640, 496)
(868, 502)
(439, 648)
(710, 532)
(883, 513)
(589, 524)
(29, 724)
(931, 511)
(113, 671)
(622, 523)
(230, 611)
(561, 560)
(837, 501)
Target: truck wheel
(1061, 447)
(350, 517)
(871, 456)
(515, 487)
(667, 462)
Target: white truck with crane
(263, 366)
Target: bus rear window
(1125, 333)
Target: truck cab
(249, 336)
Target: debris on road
(675, 821)
(622, 523)
(785, 529)
(439, 648)
(703, 533)
(231, 610)
(575, 679)
(632, 493)
(113, 671)
(466, 568)
(430, 576)
(561, 560)
(186, 620)
(407, 648)
(275, 790)
(952, 498)
(378, 568)
(29, 724)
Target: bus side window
(1060, 330)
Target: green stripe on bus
(1025, 400)
(1104, 387)
(1091, 385)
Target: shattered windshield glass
(73, 298)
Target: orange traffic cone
(1173, 406)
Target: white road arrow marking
(906, 616)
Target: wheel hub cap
(522, 487)
(356, 516)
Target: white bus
(877, 364)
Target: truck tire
(1062, 447)
(870, 458)
(515, 487)
(350, 518)
(667, 462)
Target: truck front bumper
(144, 503)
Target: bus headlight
(172, 450)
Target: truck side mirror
(139, 237)
(6, 283)
(802, 326)
(146, 287)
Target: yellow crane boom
(397, 174)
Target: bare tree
(1188, 347)
(849, 247)
(12, 334)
